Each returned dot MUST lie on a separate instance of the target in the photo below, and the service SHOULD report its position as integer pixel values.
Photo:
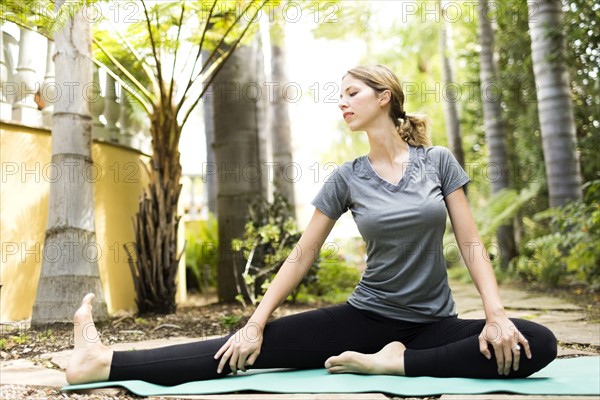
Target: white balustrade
(127, 119)
(48, 91)
(112, 110)
(114, 118)
(25, 109)
(97, 102)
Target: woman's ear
(384, 97)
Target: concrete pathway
(567, 321)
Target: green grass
(230, 321)
(21, 339)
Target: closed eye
(353, 94)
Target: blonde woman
(401, 318)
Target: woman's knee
(542, 342)
(546, 345)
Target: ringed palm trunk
(450, 104)
(555, 108)
(281, 137)
(70, 261)
(210, 178)
(493, 125)
(237, 149)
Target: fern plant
(564, 243)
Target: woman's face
(360, 104)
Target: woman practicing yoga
(401, 318)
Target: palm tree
(450, 104)
(555, 108)
(279, 119)
(493, 125)
(70, 264)
(237, 150)
(155, 262)
(209, 172)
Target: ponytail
(414, 129)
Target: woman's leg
(302, 340)
(450, 348)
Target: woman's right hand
(241, 349)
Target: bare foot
(387, 361)
(90, 361)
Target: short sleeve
(333, 197)
(452, 175)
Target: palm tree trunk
(70, 262)
(494, 126)
(261, 112)
(156, 261)
(555, 108)
(237, 149)
(450, 103)
(210, 177)
(279, 118)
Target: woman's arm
(295, 267)
(499, 330)
(243, 348)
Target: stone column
(99, 131)
(127, 132)
(25, 109)
(112, 111)
(49, 91)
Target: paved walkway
(567, 321)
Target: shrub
(201, 251)
(270, 236)
(334, 281)
(564, 244)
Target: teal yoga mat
(573, 376)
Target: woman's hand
(507, 342)
(241, 349)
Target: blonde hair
(413, 128)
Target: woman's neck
(387, 147)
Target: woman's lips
(348, 115)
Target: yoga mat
(571, 376)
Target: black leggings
(445, 348)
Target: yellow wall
(25, 176)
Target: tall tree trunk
(70, 261)
(237, 149)
(450, 102)
(279, 118)
(261, 111)
(210, 177)
(493, 125)
(555, 108)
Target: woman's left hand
(507, 342)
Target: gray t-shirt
(403, 226)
